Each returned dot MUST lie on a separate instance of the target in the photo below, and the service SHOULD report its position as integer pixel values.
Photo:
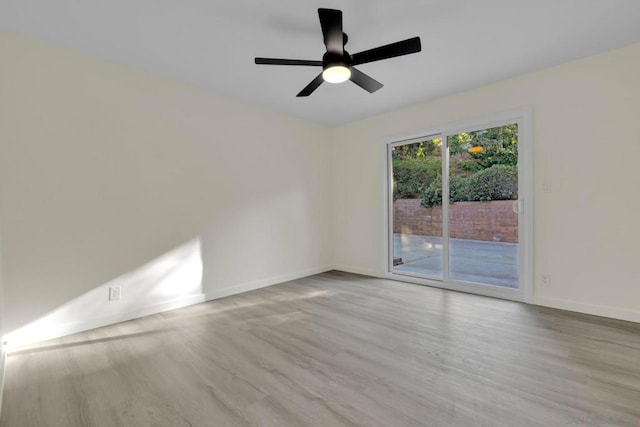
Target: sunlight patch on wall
(170, 281)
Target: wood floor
(335, 350)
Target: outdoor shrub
(495, 154)
(457, 189)
(468, 165)
(432, 195)
(412, 176)
(499, 182)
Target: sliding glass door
(456, 209)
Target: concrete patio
(491, 263)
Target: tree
(418, 150)
(500, 146)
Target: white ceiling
(212, 43)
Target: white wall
(115, 177)
(586, 143)
(2, 347)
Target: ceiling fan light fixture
(338, 65)
(336, 74)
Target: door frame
(521, 116)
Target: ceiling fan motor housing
(330, 59)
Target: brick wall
(490, 221)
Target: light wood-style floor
(335, 349)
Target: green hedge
(413, 176)
(499, 182)
(433, 193)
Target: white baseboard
(562, 304)
(87, 324)
(358, 270)
(585, 308)
(3, 365)
(137, 313)
(263, 283)
(24, 338)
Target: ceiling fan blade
(364, 81)
(277, 61)
(331, 23)
(404, 47)
(308, 90)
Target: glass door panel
(483, 209)
(416, 238)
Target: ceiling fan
(337, 64)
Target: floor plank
(335, 349)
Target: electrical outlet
(114, 293)
(546, 280)
(547, 187)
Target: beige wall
(113, 176)
(2, 346)
(586, 144)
